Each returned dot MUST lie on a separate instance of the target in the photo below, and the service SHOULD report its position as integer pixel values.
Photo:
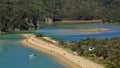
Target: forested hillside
(26, 14)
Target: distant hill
(26, 14)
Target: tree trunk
(30, 23)
(10, 28)
(48, 20)
(0, 32)
(38, 24)
(27, 20)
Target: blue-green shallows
(60, 31)
(15, 55)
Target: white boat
(32, 56)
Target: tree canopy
(26, 14)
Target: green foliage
(111, 11)
(87, 52)
(104, 51)
(25, 14)
(39, 35)
(13, 15)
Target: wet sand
(65, 58)
(79, 21)
(92, 30)
(87, 30)
(64, 61)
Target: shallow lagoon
(15, 55)
(58, 31)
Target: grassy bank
(18, 32)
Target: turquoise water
(58, 31)
(14, 55)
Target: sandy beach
(67, 59)
(93, 30)
(87, 30)
(64, 61)
(79, 21)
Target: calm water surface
(14, 55)
(58, 31)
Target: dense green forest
(104, 51)
(26, 14)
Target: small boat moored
(32, 56)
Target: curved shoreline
(60, 54)
(93, 30)
(87, 30)
(64, 61)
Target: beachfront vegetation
(39, 35)
(104, 51)
(27, 14)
